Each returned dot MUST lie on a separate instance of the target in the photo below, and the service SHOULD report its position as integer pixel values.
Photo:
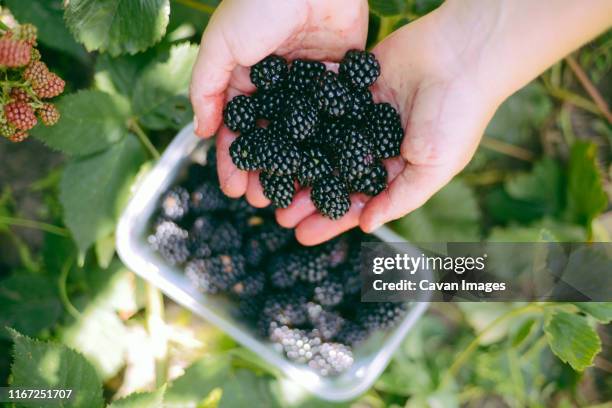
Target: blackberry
(351, 277)
(386, 132)
(203, 228)
(253, 283)
(351, 333)
(270, 72)
(331, 197)
(359, 106)
(278, 189)
(280, 157)
(359, 68)
(313, 166)
(329, 135)
(171, 242)
(208, 197)
(381, 315)
(199, 248)
(333, 96)
(254, 251)
(286, 309)
(245, 151)
(371, 183)
(283, 271)
(223, 271)
(175, 203)
(271, 104)
(300, 121)
(298, 345)
(311, 264)
(355, 156)
(239, 114)
(338, 249)
(304, 75)
(329, 291)
(326, 323)
(250, 306)
(199, 275)
(226, 238)
(273, 236)
(332, 359)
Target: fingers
(233, 181)
(254, 192)
(300, 208)
(316, 228)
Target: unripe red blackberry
(36, 73)
(48, 113)
(51, 88)
(20, 115)
(14, 53)
(19, 95)
(28, 33)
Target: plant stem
(506, 148)
(589, 87)
(73, 311)
(157, 331)
(205, 8)
(4, 27)
(463, 356)
(574, 99)
(144, 139)
(37, 225)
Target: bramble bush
(76, 318)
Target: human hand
(241, 33)
(445, 108)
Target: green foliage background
(75, 313)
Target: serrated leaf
(48, 17)
(600, 311)
(91, 121)
(93, 190)
(28, 303)
(39, 365)
(387, 8)
(160, 94)
(124, 70)
(586, 195)
(117, 26)
(153, 399)
(572, 339)
(450, 215)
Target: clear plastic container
(371, 357)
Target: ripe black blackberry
(386, 130)
(239, 114)
(283, 271)
(300, 120)
(171, 241)
(351, 333)
(278, 189)
(314, 165)
(338, 249)
(298, 345)
(199, 275)
(199, 248)
(330, 196)
(356, 155)
(371, 183)
(359, 69)
(271, 104)
(327, 323)
(381, 315)
(175, 203)
(245, 151)
(286, 309)
(208, 197)
(254, 251)
(311, 264)
(332, 359)
(359, 106)
(273, 236)
(280, 157)
(330, 291)
(250, 306)
(203, 227)
(333, 96)
(271, 72)
(226, 238)
(224, 271)
(253, 283)
(351, 277)
(304, 75)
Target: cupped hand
(433, 77)
(242, 32)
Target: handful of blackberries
(306, 300)
(317, 127)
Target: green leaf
(586, 195)
(542, 187)
(49, 365)
(387, 8)
(523, 331)
(28, 303)
(93, 190)
(123, 71)
(600, 311)
(450, 215)
(243, 387)
(117, 26)
(105, 250)
(572, 339)
(91, 121)
(153, 399)
(160, 94)
(48, 17)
